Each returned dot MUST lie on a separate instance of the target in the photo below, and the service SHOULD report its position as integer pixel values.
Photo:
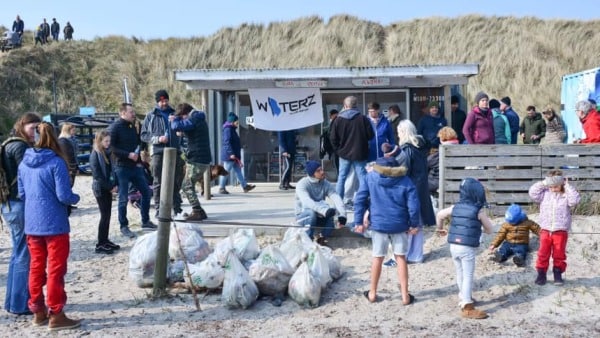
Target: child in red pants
(556, 198)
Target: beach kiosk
(250, 93)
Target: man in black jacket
(350, 133)
(125, 146)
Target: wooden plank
(560, 161)
(570, 149)
(488, 149)
(492, 160)
(488, 173)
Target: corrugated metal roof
(231, 79)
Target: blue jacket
(231, 142)
(45, 186)
(465, 226)
(383, 133)
(429, 126)
(195, 129)
(391, 199)
(513, 121)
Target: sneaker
(390, 263)
(127, 233)
(249, 187)
(104, 249)
(112, 245)
(519, 261)
(289, 186)
(223, 191)
(283, 187)
(149, 226)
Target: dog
(215, 171)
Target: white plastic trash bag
(293, 250)
(142, 258)
(206, 274)
(335, 267)
(271, 272)
(319, 267)
(293, 233)
(244, 243)
(304, 288)
(238, 288)
(194, 246)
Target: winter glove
(330, 213)
(342, 220)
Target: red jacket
(591, 127)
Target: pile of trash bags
(297, 266)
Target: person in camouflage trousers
(198, 157)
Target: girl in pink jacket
(556, 198)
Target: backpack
(4, 184)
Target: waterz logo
(293, 107)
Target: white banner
(285, 109)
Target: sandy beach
(100, 291)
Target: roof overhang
(328, 78)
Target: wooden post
(442, 178)
(164, 224)
(207, 184)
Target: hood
(228, 124)
(349, 114)
(389, 175)
(35, 157)
(514, 214)
(472, 192)
(496, 112)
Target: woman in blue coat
(45, 185)
(231, 154)
(412, 156)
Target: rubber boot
(541, 277)
(40, 318)
(60, 321)
(557, 276)
(469, 311)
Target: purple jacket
(478, 127)
(555, 208)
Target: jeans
(232, 166)
(17, 285)
(134, 175)
(49, 255)
(508, 249)
(345, 165)
(464, 261)
(313, 219)
(415, 247)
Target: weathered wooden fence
(507, 171)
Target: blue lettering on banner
(290, 106)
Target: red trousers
(48, 266)
(552, 244)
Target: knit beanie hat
(231, 117)
(514, 214)
(433, 104)
(161, 95)
(505, 100)
(480, 96)
(311, 167)
(553, 181)
(494, 103)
